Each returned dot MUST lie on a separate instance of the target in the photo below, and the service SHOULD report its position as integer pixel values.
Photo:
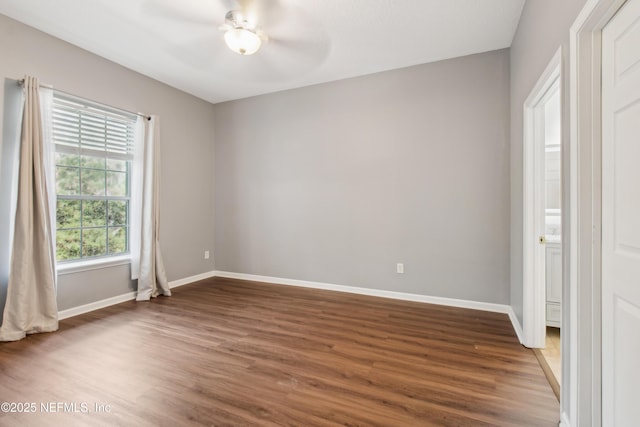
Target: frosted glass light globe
(242, 41)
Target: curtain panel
(30, 305)
(147, 263)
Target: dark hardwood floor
(225, 352)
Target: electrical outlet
(400, 268)
(206, 254)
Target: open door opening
(552, 237)
(542, 242)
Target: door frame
(533, 264)
(581, 402)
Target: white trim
(92, 264)
(533, 253)
(564, 421)
(580, 401)
(569, 408)
(92, 306)
(516, 324)
(191, 279)
(452, 302)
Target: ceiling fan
(296, 41)
(240, 34)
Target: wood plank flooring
(225, 352)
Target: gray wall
(338, 182)
(186, 143)
(543, 28)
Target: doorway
(542, 210)
(552, 235)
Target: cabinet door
(554, 314)
(554, 273)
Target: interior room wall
(336, 183)
(543, 28)
(186, 143)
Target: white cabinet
(554, 283)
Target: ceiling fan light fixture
(242, 41)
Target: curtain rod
(21, 83)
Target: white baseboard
(517, 327)
(452, 302)
(92, 306)
(187, 280)
(475, 305)
(86, 308)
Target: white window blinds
(91, 129)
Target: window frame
(88, 110)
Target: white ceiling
(310, 41)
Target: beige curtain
(147, 264)
(31, 291)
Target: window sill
(94, 264)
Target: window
(93, 157)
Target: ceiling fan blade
(270, 12)
(298, 57)
(205, 14)
(199, 52)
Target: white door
(621, 218)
